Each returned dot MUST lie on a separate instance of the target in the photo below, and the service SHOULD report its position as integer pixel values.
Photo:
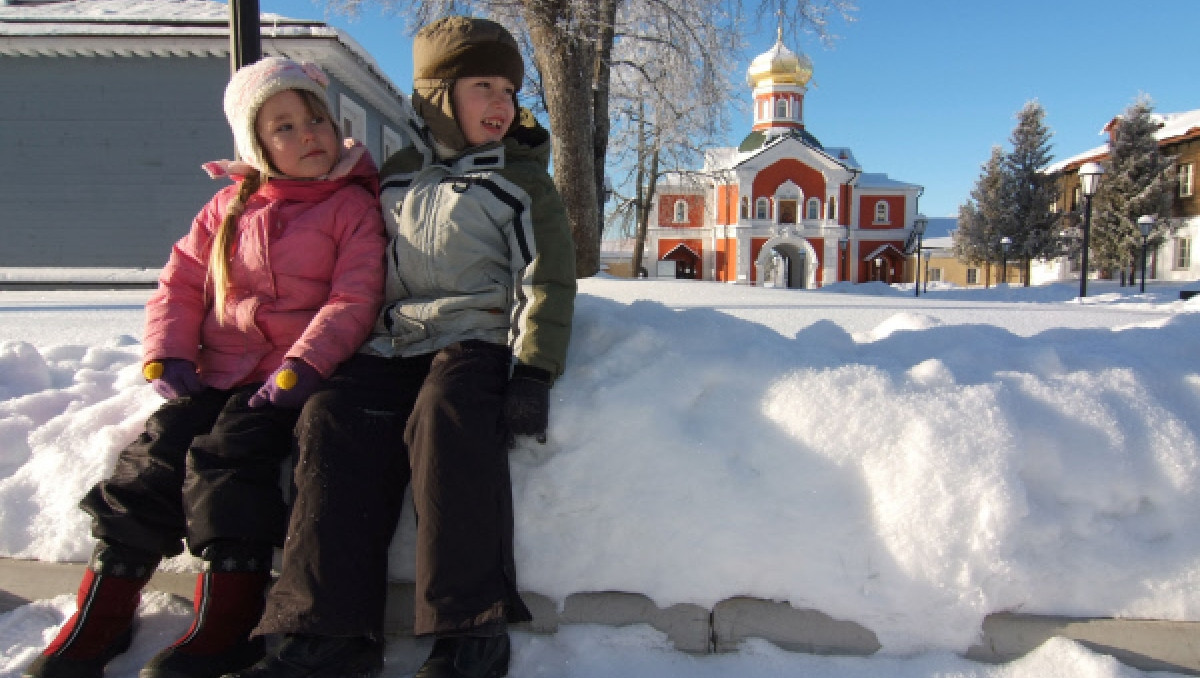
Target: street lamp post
(919, 224)
(1145, 225)
(1089, 179)
(843, 245)
(1004, 243)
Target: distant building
(782, 209)
(110, 107)
(1178, 136)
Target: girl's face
(484, 107)
(299, 143)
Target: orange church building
(781, 209)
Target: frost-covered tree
(986, 216)
(1137, 181)
(571, 42)
(1033, 224)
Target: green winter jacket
(479, 248)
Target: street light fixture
(1145, 225)
(1089, 180)
(919, 224)
(1004, 243)
(879, 269)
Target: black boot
(102, 626)
(467, 657)
(300, 656)
(230, 595)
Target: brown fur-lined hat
(459, 47)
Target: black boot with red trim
(230, 596)
(102, 626)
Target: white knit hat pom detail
(250, 88)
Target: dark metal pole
(245, 42)
(1144, 238)
(1087, 228)
(917, 270)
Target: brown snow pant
(379, 424)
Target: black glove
(527, 402)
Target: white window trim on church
(681, 211)
(882, 212)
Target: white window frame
(781, 108)
(831, 209)
(762, 209)
(353, 119)
(812, 208)
(883, 213)
(1187, 180)
(681, 211)
(1183, 253)
(392, 142)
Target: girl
(278, 282)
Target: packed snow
(910, 464)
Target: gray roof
(68, 28)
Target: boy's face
(299, 143)
(484, 107)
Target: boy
(476, 321)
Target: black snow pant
(206, 468)
(380, 423)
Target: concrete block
(1148, 645)
(687, 626)
(794, 629)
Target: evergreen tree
(1032, 223)
(1137, 181)
(986, 216)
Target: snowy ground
(911, 464)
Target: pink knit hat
(250, 88)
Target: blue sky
(921, 90)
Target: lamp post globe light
(1004, 243)
(1145, 225)
(1089, 180)
(919, 224)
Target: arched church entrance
(687, 262)
(789, 263)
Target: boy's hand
(289, 386)
(527, 402)
(173, 378)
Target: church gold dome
(779, 65)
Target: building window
(881, 212)
(761, 209)
(813, 211)
(1185, 180)
(745, 207)
(353, 119)
(392, 142)
(972, 276)
(1183, 252)
(1075, 196)
(934, 275)
(681, 209)
(781, 108)
(831, 209)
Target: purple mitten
(289, 386)
(173, 378)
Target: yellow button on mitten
(286, 379)
(153, 370)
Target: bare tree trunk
(566, 60)
(601, 81)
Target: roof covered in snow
(69, 28)
(1175, 127)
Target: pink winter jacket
(306, 281)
